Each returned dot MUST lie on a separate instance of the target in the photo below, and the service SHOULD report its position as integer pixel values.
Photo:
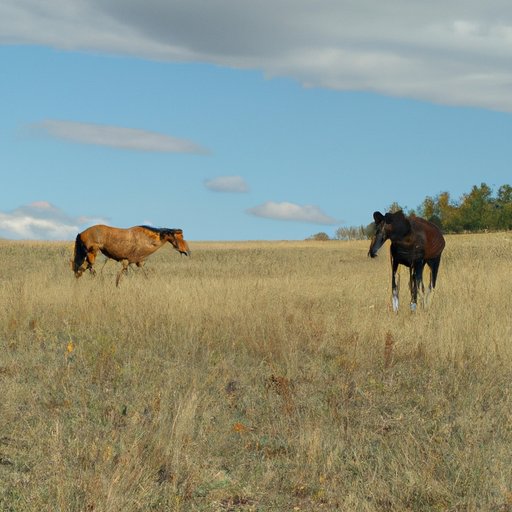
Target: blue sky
(237, 121)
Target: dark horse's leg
(394, 287)
(434, 269)
(416, 281)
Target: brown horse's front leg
(91, 258)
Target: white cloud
(446, 52)
(41, 220)
(234, 184)
(293, 212)
(115, 136)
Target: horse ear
(378, 217)
(388, 218)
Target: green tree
(395, 207)
(431, 211)
(441, 211)
(476, 209)
(503, 207)
(505, 194)
(448, 213)
(428, 209)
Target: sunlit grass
(255, 376)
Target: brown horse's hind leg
(140, 264)
(124, 270)
(103, 266)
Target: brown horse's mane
(161, 231)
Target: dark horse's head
(393, 226)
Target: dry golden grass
(255, 377)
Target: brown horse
(132, 245)
(415, 242)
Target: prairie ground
(258, 376)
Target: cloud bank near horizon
(42, 220)
(442, 52)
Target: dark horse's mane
(161, 231)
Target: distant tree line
(477, 211)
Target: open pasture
(256, 376)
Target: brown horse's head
(394, 226)
(175, 238)
(78, 263)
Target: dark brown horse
(415, 242)
(129, 246)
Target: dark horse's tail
(79, 256)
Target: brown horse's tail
(79, 256)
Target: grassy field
(255, 377)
